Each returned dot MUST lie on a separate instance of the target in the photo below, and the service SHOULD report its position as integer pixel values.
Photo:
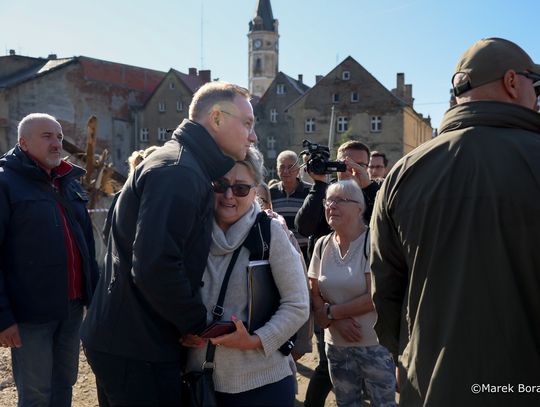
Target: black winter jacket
(33, 253)
(148, 295)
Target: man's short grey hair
(211, 93)
(287, 154)
(254, 162)
(27, 120)
(348, 189)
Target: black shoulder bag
(198, 387)
(263, 294)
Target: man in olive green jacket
(455, 243)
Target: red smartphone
(218, 328)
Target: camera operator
(309, 220)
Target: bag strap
(324, 243)
(365, 243)
(326, 239)
(217, 312)
(258, 238)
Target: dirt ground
(84, 393)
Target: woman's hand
(348, 328)
(239, 339)
(192, 341)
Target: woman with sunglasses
(249, 369)
(340, 280)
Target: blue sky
(421, 38)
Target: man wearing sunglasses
(148, 295)
(455, 234)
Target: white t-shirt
(342, 279)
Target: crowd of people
(420, 278)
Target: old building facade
(348, 103)
(73, 89)
(168, 105)
(134, 106)
(273, 127)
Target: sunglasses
(239, 190)
(535, 78)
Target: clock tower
(263, 40)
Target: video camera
(319, 159)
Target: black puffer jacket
(148, 295)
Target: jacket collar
(196, 138)
(19, 161)
(490, 114)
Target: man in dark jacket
(148, 296)
(48, 270)
(455, 234)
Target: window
(310, 125)
(342, 124)
(144, 135)
(162, 134)
(179, 106)
(280, 89)
(161, 106)
(335, 98)
(271, 143)
(273, 115)
(376, 124)
(346, 75)
(271, 147)
(171, 85)
(354, 97)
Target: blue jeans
(45, 367)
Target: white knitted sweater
(242, 370)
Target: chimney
(204, 75)
(318, 78)
(408, 94)
(400, 85)
(192, 71)
(11, 52)
(300, 78)
(52, 56)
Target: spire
(263, 19)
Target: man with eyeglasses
(378, 165)
(289, 194)
(455, 234)
(148, 296)
(310, 222)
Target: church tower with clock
(263, 40)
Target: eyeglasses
(337, 201)
(239, 190)
(535, 78)
(288, 168)
(248, 124)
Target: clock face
(257, 43)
